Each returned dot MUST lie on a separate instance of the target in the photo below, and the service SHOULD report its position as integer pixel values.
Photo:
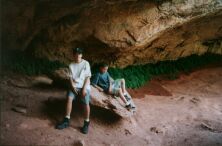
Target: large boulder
(111, 103)
(99, 99)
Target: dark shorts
(85, 100)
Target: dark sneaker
(129, 106)
(64, 124)
(127, 98)
(133, 107)
(85, 127)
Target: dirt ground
(182, 112)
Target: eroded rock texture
(120, 33)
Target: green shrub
(135, 75)
(138, 75)
(24, 64)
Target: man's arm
(87, 79)
(71, 80)
(110, 86)
(99, 88)
(95, 82)
(86, 82)
(72, 85)
(110, 83)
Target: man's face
(103, 69)
(77, 57)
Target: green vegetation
(135, 76)
(138, 75)
(25, 64)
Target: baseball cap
(78, 50)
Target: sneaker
(133, 107)
(64, 124)
(129, 106)
(85, 127)
(127, 98)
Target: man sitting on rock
(80, 88)
(104, 82)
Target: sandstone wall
(119, 32)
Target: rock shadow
(54, 109)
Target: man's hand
(110, 90)
(86, 82)
(74, 90)
(97, 87)
(83, 93)
(72, 86)
(100, 89)
(110, 87)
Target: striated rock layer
(119, 33)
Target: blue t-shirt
(101, 80)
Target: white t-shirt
(79, 72)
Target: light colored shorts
(116, 85)
(85, 100)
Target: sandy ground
(183, 112)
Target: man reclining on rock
(104, 82)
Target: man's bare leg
(69, 107)
(122, 96)
(86, 112)
(85, 127)
(65, 122)
(123, 86)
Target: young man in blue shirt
(104, 83)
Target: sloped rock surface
(110, 103)
(99, 99)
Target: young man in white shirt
(80, 88)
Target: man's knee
(122, 80)
(110, 92)
(86, 100)
(120, 91)
(70, 95)
(87, 106)
(70, 98)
